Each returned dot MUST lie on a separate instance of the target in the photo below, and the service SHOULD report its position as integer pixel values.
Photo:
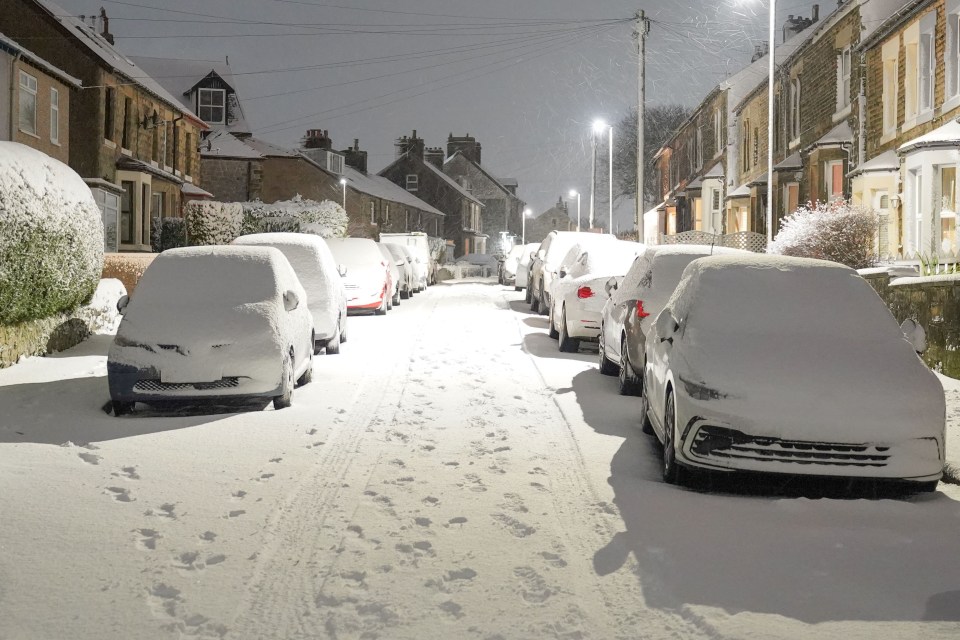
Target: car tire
(405, 294)
(534, 303)
(645, 425)
(544, 305)
(526, 295)
(567, 344)
(607, 366)
(286, 399)
(121, 407)
(383, 308)
(307, 376)
(672, 471)
(395, 302)
(629, 384)
(554, 334)
(333, 344)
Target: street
(450, 474)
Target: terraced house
(133, 143)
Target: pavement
(951, 390)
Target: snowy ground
(450, 475)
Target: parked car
(366, 276)
(792, 366)
(394, 269)
(221, 322)
(419, 245)
(508, 268)
(577, 295)
(546, 263)
(523, 267)
(405, 265)
(634, 300)
(319, 274)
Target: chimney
(412, 145)
(816, 13)
(105, 26)
(355, 158)
(317, 139)
(466, 145)
(434, 155)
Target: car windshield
(209, 280)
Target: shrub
(327, 219)
(51, 236)
(167, 233)
(837, 231)
(212, 222)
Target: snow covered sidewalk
(951, 388)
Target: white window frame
(212, 107)
(952, 56)
(926, 73)
(412, 182)
(373, 213)
(891, 87)
(718, 130)
(844, 68)
(54, 116)
(386, 213)
(795, 88)
(27, 103)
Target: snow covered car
(418, 243)
(367, 279)
(577, 294)
(523, 267)
(220, 322)
(508, 268)
(546, 263)
(793, 366)
(405, 265)
(317, 271)
(633, 302)
(394, 270)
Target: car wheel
(526, 295)
(285, 400)
(395, 302)
(552, 329)
(544, 305)
(307, 376)
(121, 408)
(405, 294)
(607, 367)
(534, 303)
(382, 309)
(645, 425)
(567, 344)
(629, 384)
(333, 344)
(672, 472)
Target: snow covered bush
(327, 219)
(210, 222)
(167, 233)
(51, 236)
(837, 231)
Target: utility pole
(643, 28)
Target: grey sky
(528, 78)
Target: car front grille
(152, 386)
(720, 442)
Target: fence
(746, 240)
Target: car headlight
(700, 391)
(122, 341)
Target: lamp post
(772, 34)
(523, 232)
(610, 179)
(598, 128)
(574, 192)
(343, 182)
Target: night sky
(526, 78)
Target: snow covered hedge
(221, 223)
(210, 222)
(837, 231)
(51, 236)
(167, 233)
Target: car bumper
(129, 383)
(583, 324)
(365, 302)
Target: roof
(761, 179)
(221, 144)
(839, 136)
(743, 191)
(947, 136)
(193, 191)
(716, 171)
(509, 182)
(380, 187)
(885, 17)
(447, 179)
(791, 162)
(6, 44)
(112, 58)
(127, 163)
(486, 173)
(179, 77)
(886, 161)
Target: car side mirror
(667, 326)
(290, 300)
(122, 304)
(342, 270)
(915, 335)
(610, 286)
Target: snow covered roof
(761, 179)
(716, 171)
(447, 179)
(743, 191)
(879, 17)
(886, 161)
(6, 44)
(112, 58)
(270, 150)
(191, 190)
(486, 173)
(946, 136)
(179, 77)
(126, 163)
(380, 187)
(509, 182)
(221, 144)
(840, 135)
(696, 183)
(790, 162)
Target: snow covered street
(450, 474)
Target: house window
(413, 182)
(791, 197)
(127, 203)
(28, 103)
(697, 214)
(745, 151)
(373, 214)
(795, 109)
(948, 210)
(926, 72)
(386, 213)
(155, 146)
(109, 113)
(54, 116)
(890, 87)
(834, 179)
(211, 106)
(699, 148)
(109, 204)
(916, 178)
(188, 151)
(952, 54)
(126, 136)
(169, 146)
(843, 79)
(157, 206)
(407, 220)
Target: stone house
(133, 143)
(37, 112)
(502, 209)
(556, 218)
(419, 171)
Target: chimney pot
(816, 12)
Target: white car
(317, 271)
(546, 263)
(508, 269)
(418, 243)
(577, 295)
(221, 322)
(633, 301)
(394, 267)
(523, 266)
(792, 366)
(405, 265)
(366, 276)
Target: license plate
(190, 375)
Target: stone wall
(935, 304)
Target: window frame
(30, 93)
(795, 89)
(55, 116)
(412, 179)
(829, 183)
(890, 87)
(211, 108)
(844, 77)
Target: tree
(837, 231)
(660, 122)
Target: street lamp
(599, 126)
(523, 233)
(574, 192)
(343, 182)
(771, 36)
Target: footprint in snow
(276, 459)
(452, 608)
(430, 500)
(460, 574)
(121, 494)
(533, 588)
(553, 559)
(423, 522)
(208, 536)
(148, 538)
(127, 472)
(90, 458)
(238, 494)
(236, 513)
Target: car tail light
(584, 293)
(640, 312)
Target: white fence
(746, 240)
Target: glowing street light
(343, 182)
(574, 192)
(523, 233)
(599, 126)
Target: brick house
(37, 112)
(502, 209)
(133, 143)
(419, 171)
